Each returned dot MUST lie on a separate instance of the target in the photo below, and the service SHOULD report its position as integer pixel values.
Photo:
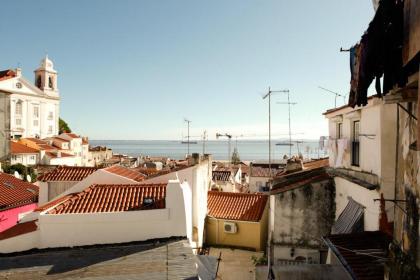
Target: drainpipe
(396, 169)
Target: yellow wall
(249, 234)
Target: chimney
(59, 154)
(18, 72)
(293, 165)
(195, 158)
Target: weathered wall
(406, 227)
(4, 124)
(302, 216)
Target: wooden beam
(401, 95)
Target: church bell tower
(46, 77)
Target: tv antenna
(268, 94)
(288, 103)
(336, 95)
(188, 136)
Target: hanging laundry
(342, 147)
(332, 147)
(378, 54)
(322, 142)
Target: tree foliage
(63, 126)
(21, 169)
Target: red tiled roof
(15, 192)
(125, 172)
(236, 206)
(317, 163)
(52, 203)
(17, 148)
(67, 173)
(19, 229)
(61, 140)
(353, 251)
(299, 182)
(113, 198)
(221, 175)
(260, 171)
(7, 74)
(72, 135)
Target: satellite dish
(28, 178)
(16, 174)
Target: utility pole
(269, 122)
(188, 135)
(290, 127)
(336, 95)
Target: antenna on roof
(336, 95)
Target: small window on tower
(38, 82)
(50, 82)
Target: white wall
(345, 189)
(198, 178)
(25, 159)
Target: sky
(135, 69)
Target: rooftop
(363, 254)
(7, 74)
(57, 154)
(153, 259)
(236, 206)
(67, 173)
(126, 172)
(18, 148)
(15, 192)
(113, 198)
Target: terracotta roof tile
(221, 175)
(19, 229)
(17, 148)
(126, 172)
(52, 203)
(71, 135)
(67, 173)
(7, 74)
(236, 206)
(351, 250)
(113, 198)
(15, 192)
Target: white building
(109, 215)
(362, 156)
(34, 109)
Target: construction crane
(229, 136)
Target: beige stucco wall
(251, 235)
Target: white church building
(30, 110)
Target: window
(36, 112)
(50, 82)
(32, 158)
(18, 108)
(355, 148)
(50, 115)
(50, 129)
(339, 130)
(18, 122)
(38, 82)
(36, 122)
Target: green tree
(63, 126)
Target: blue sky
(135, 69)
